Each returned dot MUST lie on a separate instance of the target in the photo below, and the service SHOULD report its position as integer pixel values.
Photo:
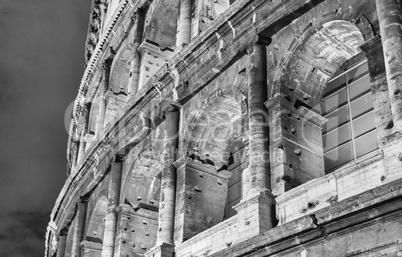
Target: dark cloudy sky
(41, 64)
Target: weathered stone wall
(171, 87)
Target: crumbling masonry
(235, 128)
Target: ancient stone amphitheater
(235, 128)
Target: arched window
(349, 135)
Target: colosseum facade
(235, 128)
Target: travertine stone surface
(168, 181)
(184, 23)
(200, 198)
(61, 247)
(258, 169)
(104, 86)
(389, 15)
(246, 75)
(109, 233)
(379, 88)
(295, 144)
(137, 230)
(78, 232)
(90, 249)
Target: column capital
(88, 245)
(173, 107)
(258, 40)
(147, 47)
(280, 100)
(371, 45)
(124, 208)
(180, 163)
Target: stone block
(200, 198)
(254, 215)
(90, 249)
(137, 230)
(355, 179)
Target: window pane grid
(350, 132)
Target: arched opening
(119, 78)
(318, 58)
(140, 193)
(214, 130)
(141, 187)
(69, 242)
(349, 134)
(95, 228)
(213, 167)
(327, 73)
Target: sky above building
(41, 65)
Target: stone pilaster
(74, 153)
(390, 142)
(166, 215)
(184, 26)
(255, 215)
(79, 227)
(258, 170)
(135, 62)
(61, 247)
(201, 196)
(255, 210)
(168, 180)
(104, 86)
(390, 19)
(379, 89)
(83, 127)
(135, 66)
(109, 233)
(296, 146)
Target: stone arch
(141, 186)
(70, 236)
(315, 60)
(336, 24)
(120, 71)
(95, 227)
(116, 95)
(212, 130)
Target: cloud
(23, 233)
(42, 50)
(42, 59)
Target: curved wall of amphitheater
(235, 128)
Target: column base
(255, 215)
(163, 250)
